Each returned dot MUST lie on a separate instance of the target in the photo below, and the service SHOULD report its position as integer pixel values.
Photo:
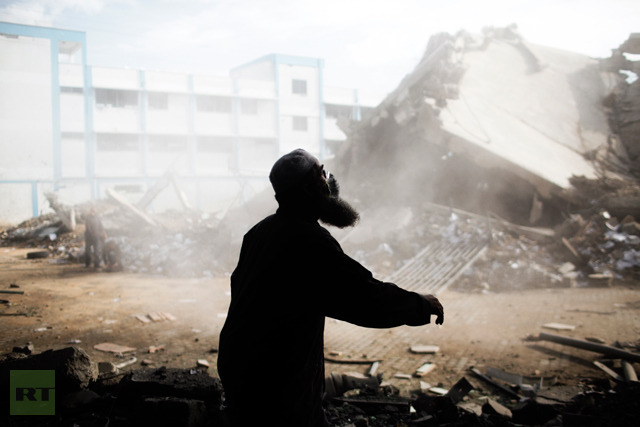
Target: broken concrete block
(173, 382)
(424, 349)
(439, 391)
(373, 370)
(402, 376)
(567, 267)
(632, 228)
(26, 349)
(127, 363)
(74, 369)
(600, 280)
(459, 390)
(203, 363)
(113, 348)
(105, 368)
(558, 326)
(424, 369)
(492, 407)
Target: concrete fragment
(113, 348)
(26, 349)
(424, 369)
(373, 370)
(107, 368)
(203, 363)
(402, 376)
(586, 345)
(73, 366)
(424, 349)
(127, 363)
(559, 326)
(459, 390)
(613, 374)
(439, 391)
(600, 280)
(492, 407)
(629, 372)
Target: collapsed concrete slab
(487, 123)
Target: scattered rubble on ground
(88, 394)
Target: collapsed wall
(489, 124)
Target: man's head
(299, 180)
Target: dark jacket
(290, 275)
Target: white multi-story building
(75, 130)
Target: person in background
(94, 236)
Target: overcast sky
(366, 44)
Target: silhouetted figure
(290, 275)
(112, 256)
(94, 235)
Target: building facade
(76, 130)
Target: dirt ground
(67, 304)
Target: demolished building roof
(532, 111)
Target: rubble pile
(161, 397)
(191, 397)
(624, 102)
(184, 244)
(603, 244)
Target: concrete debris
(424, 349)
(558, 326)
(155, 317)
(424, 369)
(113, 348)
(127, 363)
(609, 371)
(193, 398)
(492, 407)
(590, 346)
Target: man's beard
(336, 211)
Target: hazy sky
(367, 44)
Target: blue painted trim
(276, 80)
(235, 112)
(321, 140)
(89, 134)
(191, 127)
(56, 136)
(34, 199)
(42, 32)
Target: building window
(299, 87)
(300, 123)
(116, 98)
(158, 101)
(249, 107)
(74, 90)
(117, 142)
(335, 111)
(214, 104)
(167, 144)
(212, 144)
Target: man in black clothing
(292, 274)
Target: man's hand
(436, 308)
